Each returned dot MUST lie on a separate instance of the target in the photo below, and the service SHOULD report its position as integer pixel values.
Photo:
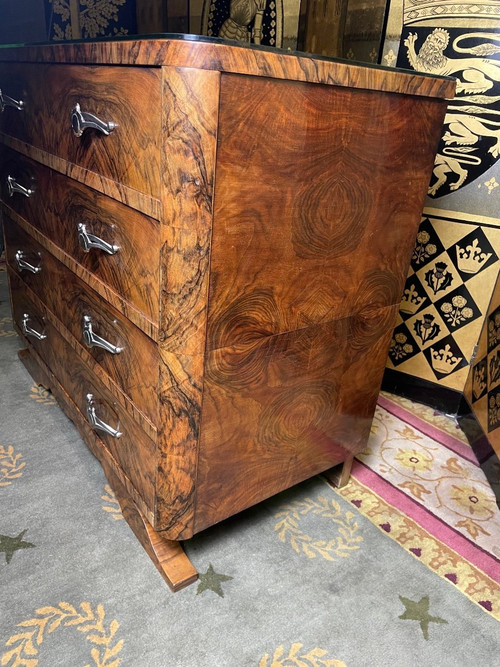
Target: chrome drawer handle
(93, 340)
(13, 186)
(23, 264)
(97, 423)
(82, 120)
(6, 101)
(28, 331)
(88, 241)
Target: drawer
(122, 350)
(134, 451)
(24, 185)
(30, 320)
(78, 219)
(130, 98)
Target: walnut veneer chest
(206, 248)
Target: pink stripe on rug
(454, 444)
(486, 562)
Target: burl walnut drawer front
(133, 450)
(114, 110)
(30, 320)
(124, 352)
(116, 243)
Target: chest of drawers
(206, 248)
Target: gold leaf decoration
(346, 541)
(11, 465)
(316, 657)
(42, 395)
(112, 506)
(22, 647)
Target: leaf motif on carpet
(112, 505)
(288, 529)
(42, 395)
(26, 643)
(11, 465)
(297, 655)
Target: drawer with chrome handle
(117, 244)
(83, 120)
(7, 101)
(24, 265)
(96, 422)
(30, 319)
(28, 330)
(123, 352)
(25, 186)
(91, 117)
(108, 414)
(14, 186)
(87, 240)
(92, 339)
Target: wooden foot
(167, 555)
(340, 474)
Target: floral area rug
(419, 481)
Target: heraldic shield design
(251, 21)
(470, 144)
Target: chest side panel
(319, 191)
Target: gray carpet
(77, 588)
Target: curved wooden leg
(167, 555)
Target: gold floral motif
(11, 465)
(456, 311)
(423, 249)
(316, 657)
(473, 500)
(113, 506)
(415, 460)
(27, 642)
(399, 347)
(288, 529)
(491, 184)
(390, 58)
